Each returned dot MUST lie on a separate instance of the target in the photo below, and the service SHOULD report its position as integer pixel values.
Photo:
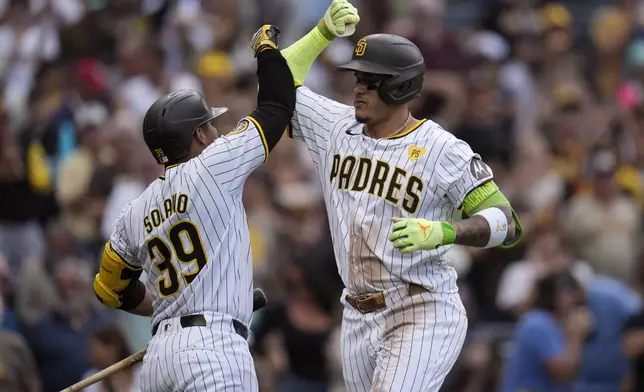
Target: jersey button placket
(355, 261)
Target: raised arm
(466, 180)
(315, 115)
(338, 19)
(231, 158)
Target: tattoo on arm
(475, 231)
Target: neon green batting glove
(411, 235)
(339, 20)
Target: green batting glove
(411, 235)
(339, 20)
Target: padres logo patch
(415, 152)
(361, 47)
(241, 127)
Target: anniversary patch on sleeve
(241, 127)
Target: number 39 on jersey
(180, 257)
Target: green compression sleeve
(301, 55)
(489, 195)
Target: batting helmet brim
(366, 67)
(216, 112)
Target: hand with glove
(410, 235)
(339, 20)
(265, 38)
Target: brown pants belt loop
(367, 303)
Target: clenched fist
(339, 20)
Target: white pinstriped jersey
(188, 230)
(424, 172)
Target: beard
(361, 119)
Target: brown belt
(367, 303)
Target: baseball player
(188, 231)
(395, 189)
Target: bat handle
(108, 371)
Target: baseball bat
(108, 371)
(259, 301)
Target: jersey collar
(407, 131)
(162, 177)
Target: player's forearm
(276, 96)
(302, 54)
(475, 231)
(486, 227)
(144, 308)
(487, 195)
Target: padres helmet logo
(361, 47)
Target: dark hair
(111, 335)
(547, 288)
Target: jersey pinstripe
(424, 172)
(188, 230)
(413, 343)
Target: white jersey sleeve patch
(121, 239)
(460, 170)
(233, 157)
(314, 119)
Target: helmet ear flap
(401, 89)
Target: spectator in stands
(60, 339)
(549, 339)
(633, 347)
(9, 320)
(293, 336)
(609, 31)
(108, 346)
(603, 366)
(546, 254)
(604, 224)
(25, 185)
(77, 170)
(18, 371)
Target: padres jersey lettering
(188, 230)
(392, 184)
(422, 172)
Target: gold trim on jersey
(168, 167)
(407, 131)
(261, 134)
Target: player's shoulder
(136, 207)
(429, 132)
(308, 100)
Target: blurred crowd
(551, 94)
